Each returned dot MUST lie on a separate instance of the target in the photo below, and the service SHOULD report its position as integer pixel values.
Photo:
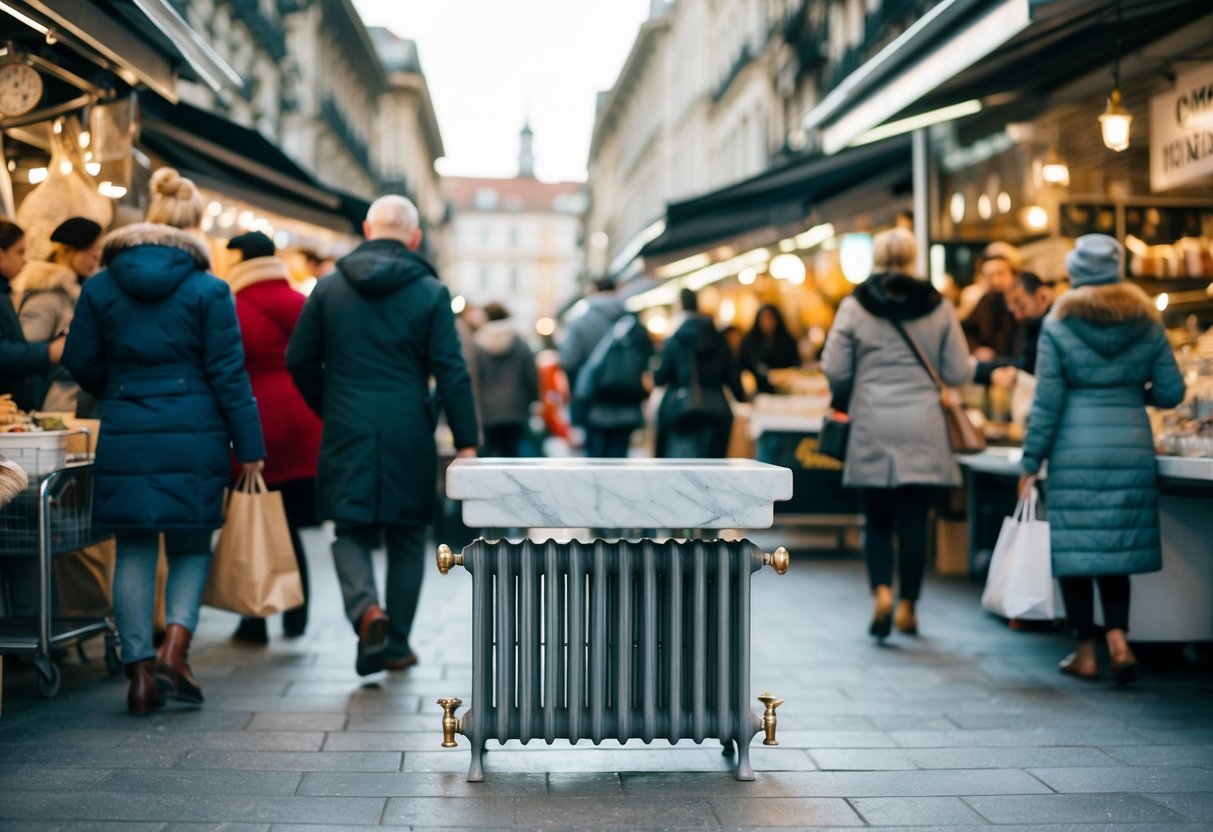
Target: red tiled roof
(512, 195)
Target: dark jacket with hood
(898, 434)
(1103, 357)
(155, 339)
(366, 345)
(697, 340)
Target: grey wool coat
(1103, 356)
(898, 434)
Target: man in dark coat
(1030, 300)
(368, 340)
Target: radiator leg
(744, 770)
(728, 749)
(476, 769)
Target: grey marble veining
(575, 493)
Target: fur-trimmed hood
(257, 270)
(897, 297)
(1108, 318)
(150, 261)
(45, 276)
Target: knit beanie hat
(1094, 261)
(253, 244)
(77, 232)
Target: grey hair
(393, 216)
(894, 250)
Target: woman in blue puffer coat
(1102, 357)
(156, 340)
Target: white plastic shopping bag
(1020, 583)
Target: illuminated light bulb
(1037, 218)
(85, 138)
(985, 209)
(1055, 171)
(788, 267)
(1115, 123)
(657, 324)
(545, 327)
(65, 167)
(956, 207)
(1162, 302)
(246, 219)
(214, 209)
(111, 191)
(747, 276)
(58, 127)
(37, 175)
(1004, 203)
(93, 168)
(458, 304)
(728, 310)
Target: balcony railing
(269, 34)
(352, 141)
(744, 58)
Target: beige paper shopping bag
(254, 571)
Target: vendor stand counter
(789, 439)
(613, 639)
(1173, 605)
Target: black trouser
(608, 443)
(1079, 595)
(405, 571)
(901, 511)
(503, 440)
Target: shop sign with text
(1181, 131)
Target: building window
(486, 199)
(484, 278)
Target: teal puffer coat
(1103, 356)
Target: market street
(967, 725)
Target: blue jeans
(189, 564)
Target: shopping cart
(52, 517)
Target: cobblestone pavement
(965, 727)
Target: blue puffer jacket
(1103, 356)
(155, 339)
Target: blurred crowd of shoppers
(330, 395)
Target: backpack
(615, 369)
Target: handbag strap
(919, 354)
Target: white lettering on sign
(1181, 131)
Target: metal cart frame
(41, 636)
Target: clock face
(20, 89)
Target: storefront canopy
(964, 51)
(775, 199)
(223, 156)
(144, 42)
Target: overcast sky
(491, 62)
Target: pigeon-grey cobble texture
(967, 726)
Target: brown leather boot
(143, 696)
(173, 673)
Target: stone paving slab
(966, 727)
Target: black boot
(252, 631)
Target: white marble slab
(618, 494)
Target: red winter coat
(268, 309)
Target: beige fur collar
(1114, 303)
(257, 270)
(44, 276)
(154, 234)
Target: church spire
(526, 153)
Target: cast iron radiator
(611, 640)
